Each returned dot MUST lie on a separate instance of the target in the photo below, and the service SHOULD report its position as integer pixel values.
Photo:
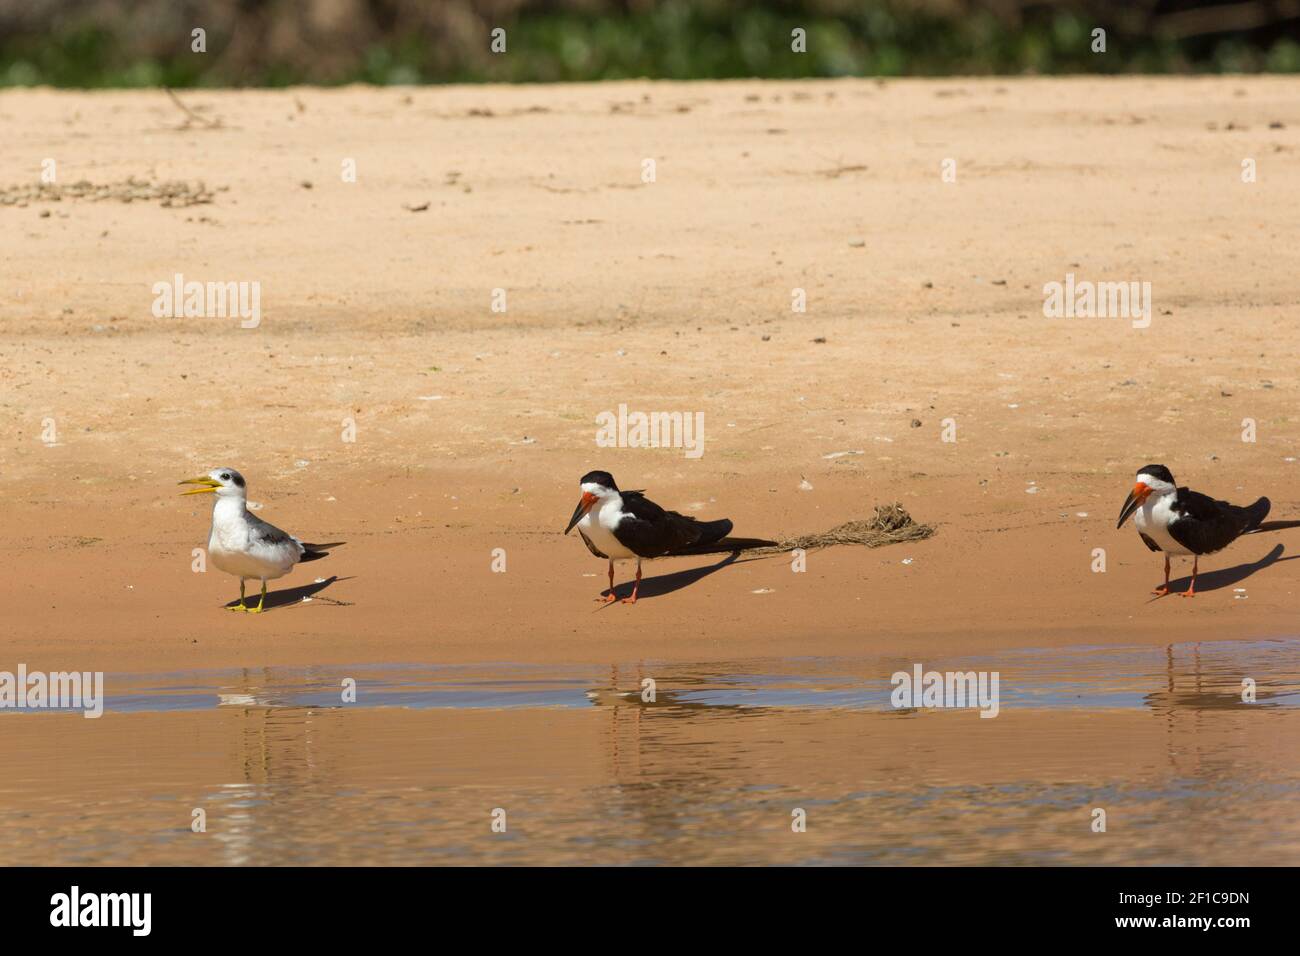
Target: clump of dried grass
(890, 525)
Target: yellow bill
(208, 485)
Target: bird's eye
(225, 477)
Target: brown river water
(573, 766)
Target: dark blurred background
(90, 43)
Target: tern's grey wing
(264, 533)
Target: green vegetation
(671, 40)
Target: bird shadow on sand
(1226, 577)
(289, 597)
(662, 584)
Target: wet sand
(472, 427)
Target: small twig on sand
(192, 116)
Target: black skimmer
(626, 525)
(1181, 521)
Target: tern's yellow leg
(240, 606)
(258, 609)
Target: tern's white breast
(598, 525)
(233, 549)
(1153, 520)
